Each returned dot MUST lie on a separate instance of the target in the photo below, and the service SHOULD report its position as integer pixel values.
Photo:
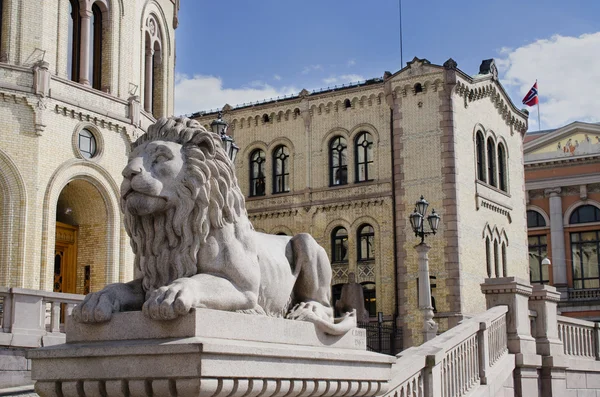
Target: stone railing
(456, 362)
(32, 318)
(583, 294)
(579, 337)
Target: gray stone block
(576, 380)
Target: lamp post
(416, 221)
(219, 126)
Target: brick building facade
(72, 74)
(348, 164)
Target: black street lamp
(416, 219)
(219, 126)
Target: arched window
(1, 12)
(535, 219)
(488, 257)
(480, 157)
(502, 183)
(370, 298)
(491, 158)
(153, 80)
(281, 170)
(418, 88)
(95, 45)
(339, 245)
(363, 150)
(338, 166)
(74, 42)
(347, 103)
(496, 259)
(257, 173)
(585, 214)
(366, 243)
(265, 118)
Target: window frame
(539, 217)
(342, 166)
(260, 161)
(368, 162)
(369, 236)
(74, 41)
(541, 249)
(343, 244)
(502, 168)
(285, 169)
(96, 41)
(480, 154)
(370, 296)
(576, 213)
(93, 143)
(491, 162)
(579, 243)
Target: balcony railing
(32, 318)
(579, 337)
(583, 294)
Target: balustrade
(579, 337)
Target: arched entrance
(81, 242)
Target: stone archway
(82, 239)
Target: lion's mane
(208, 197)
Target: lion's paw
(171, 301)
(97, 307)
(307, 311)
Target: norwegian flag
(532, 96)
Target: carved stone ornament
(195, 247)
(152, 27)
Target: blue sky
(239, 51)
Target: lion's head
(178, 184)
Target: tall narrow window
(480, 155)
(257, 173)
(491, 158)
(366, 246)
(339, 245)
(281, 170)
(538, 251)
(95, 60)
(488, 258)
(363, 150)
(153, 71)
(74, 41)
(1, 12)
(338, 166)
(496, 259)
(504, 270)
(502, 168)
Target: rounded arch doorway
(82, 235)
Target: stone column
(557, 238)
(514, 292)
(85, 48)
(148, 80)
(429, 326)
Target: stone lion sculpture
(194, 245)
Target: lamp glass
(434, 221)
(421, 206)
(416, 220)
(234, 151)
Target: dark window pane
(257, 173)
(585, 214)
(535, 219)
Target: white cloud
(277, 77)
(312, 68)
(200, 92)
(343, 79)
(568, 74)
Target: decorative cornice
(490, 91)
(94, 119)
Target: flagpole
(538, 108)
(400, 15)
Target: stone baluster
(55, 317)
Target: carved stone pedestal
(208, 353)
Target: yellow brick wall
(38, 136)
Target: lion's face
(151, 177)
